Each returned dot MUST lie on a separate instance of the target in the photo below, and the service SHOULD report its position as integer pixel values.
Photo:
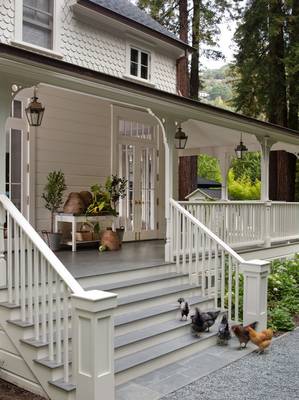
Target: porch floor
(89, 261)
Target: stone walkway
(271, 376)
(157, 384)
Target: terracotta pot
(74, 204)
(110, 239)
(86, 197)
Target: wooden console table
(74, 220)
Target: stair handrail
(41, 245)
(206, 230)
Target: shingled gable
(132, 15)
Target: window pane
(15, 195)
(134, 69)
(16, 156)
(144, 59)
(134, 55)
(144, 72)
(37, 22)
(16, 111)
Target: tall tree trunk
(194, 76)
(182, 63)
(294, 72)
(277, 106)
(187, 176)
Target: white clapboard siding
(75, 137)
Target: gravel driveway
(270, 376)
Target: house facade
(106, 74)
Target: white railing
(284, 221)
(209, 262)
(248, 223)
(39, 283)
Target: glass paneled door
(137, 149)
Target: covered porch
(57, 145)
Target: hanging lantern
(180, 139)
(241, 149)
(34, 111)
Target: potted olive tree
(53, 197)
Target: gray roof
(214, 193)
(128, 10)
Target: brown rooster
(242, 333)
(261, 339)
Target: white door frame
(118, 113)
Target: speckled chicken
(223, 331)
(184, 307)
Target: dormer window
(38, 22)
(139, 64)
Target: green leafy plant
(105, 198)
(280, 319)
(53, 193)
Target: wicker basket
(84, 236)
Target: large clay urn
(110, 239)
(74, 204)
(86, 196)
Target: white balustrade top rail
(40, 244)
(207, 231)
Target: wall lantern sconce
(180, 139)
(241, 149)
(34, 111)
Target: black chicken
(223, 331)
(201, 322)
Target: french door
(138, 160)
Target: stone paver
(270, 376)
(163, 381)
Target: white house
(106, 74)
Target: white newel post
(93, 345)
(5, 104)
(255, 274)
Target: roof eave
(134, 24)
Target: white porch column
(5, 105)
(224, 162)
(266, 144)
(93, 345)
(255, 292)
(169, 131)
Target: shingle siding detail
(87, 45)
(7, 16)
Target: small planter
(120, 233)
(53, 240)
(110, 240)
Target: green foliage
(249, 167)
(105, 199)
(243, 189)
(208, 167)
(53, 193)
(280, 320)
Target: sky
(225, 44)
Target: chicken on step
(223, 331)
(184, 307)
(202, 321)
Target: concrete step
(155, 297)
(138, 340)
(143, 318)
(125, 273)
(144, 361)
(139, 285)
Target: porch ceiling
(209, 126)
(213, 139)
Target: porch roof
(202, 120)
